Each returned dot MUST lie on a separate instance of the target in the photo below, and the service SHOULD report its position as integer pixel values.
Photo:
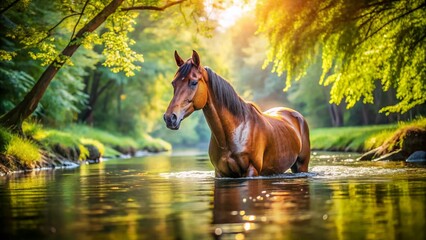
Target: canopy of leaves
(34, 33)
(361, 43)
(50, 25)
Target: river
(175, 196)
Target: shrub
(23, 149)
(32, 129)
(95, 143)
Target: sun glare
(233, 11)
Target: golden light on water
(249, 217)
(247, 226)
(218, 231)
(239, 236)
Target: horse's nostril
(171, 120)
(173, 117)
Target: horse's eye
(193, 83)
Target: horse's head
(190, 90)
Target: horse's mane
(225, 94)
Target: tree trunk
(119, 99)
(14, 118)
(85, 115)
(95, 91)
(364, 110)
(82, 115)
(336, 115)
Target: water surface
(177, 197)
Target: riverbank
(76, 144)
(52, 148)
(383, 139)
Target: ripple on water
(346, 171)
(329, 172)
(189, 174)
(210, 174)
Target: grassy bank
(359, 139)
(44, 147)
(116, 143)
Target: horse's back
(292, 119)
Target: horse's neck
(215, 124)
(221, 120)
(222, 124)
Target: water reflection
(318, 209)
(242, 208)
(169, 197)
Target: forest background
(119, 79)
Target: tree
(118, 54)
(142, 98)
(360, 42)
(94, 88)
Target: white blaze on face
(240, 136)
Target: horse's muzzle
(172, 121)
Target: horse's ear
(178, 59)
(195, 58)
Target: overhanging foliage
(361, 42)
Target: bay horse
(244, 142)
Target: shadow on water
(177, 197)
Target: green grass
(49, 137)
(345, 138)
(19, 148)
(111, 152)
(359, 139)
(107, 138)
(111, 142)
(71, 143)
(114, 141)
(78, 137)
(24, 150)
(149, 143)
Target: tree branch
(369, 28)
(154, 8)
(8, 7)
(14, 118)
(373, 12)
(389, 22)
(56, 25)
(103, 88)
(381, 3)
(79, 18)
(330, 5)
(418, 41)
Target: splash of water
(210, 175)
(327, 172)
(189, 174)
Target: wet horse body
(249, 142)
(245, 142)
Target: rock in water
(417, 157)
